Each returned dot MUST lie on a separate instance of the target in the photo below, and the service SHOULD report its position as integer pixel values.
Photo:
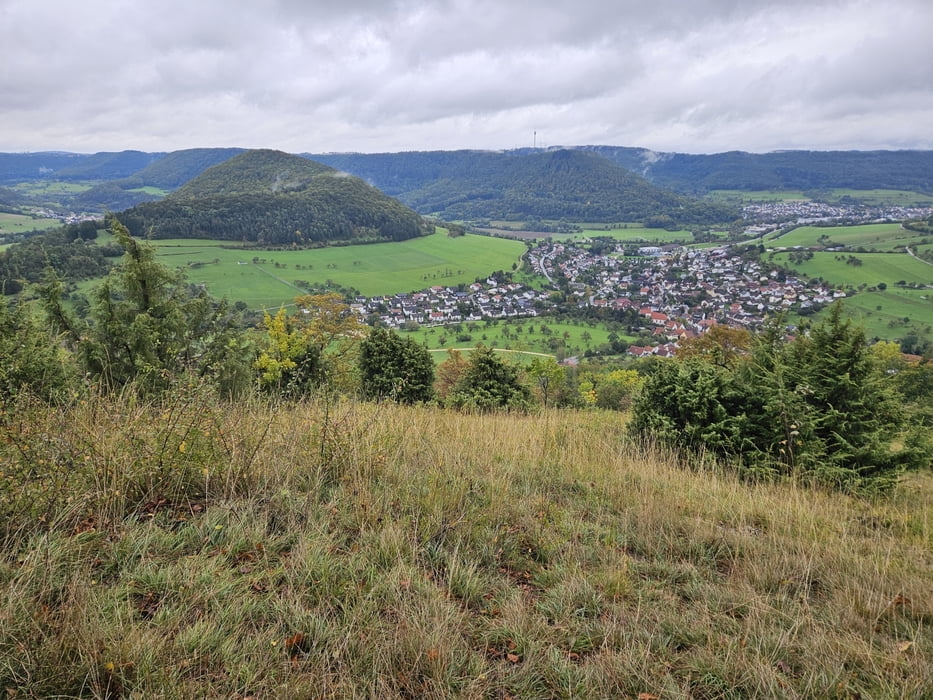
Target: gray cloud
(370, 75)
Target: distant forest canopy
(514, 186)
(781, 170)
(273, 198)
(398, 173)
(69, 251)
(395, 173)
(427, 180)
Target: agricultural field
(633, 232)
(20, 223)
(531, 335)
(154, 191)
(900, 198)
(878, 237)
(51, 188)
(265, 279)
(871, 198)
(874, 268)
(891, 314)
(749, 197)
(639, 234)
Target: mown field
(748, 197)
(197, 549)
(876, 267)
(51, 187)
(647, 236)
(633, 232)
(893, 313)
(383, 268)
(880, 197)
(155, 191)
(20, 223)
(879, 237)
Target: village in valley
(677, 292)
(673, 292)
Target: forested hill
(178, 167)
(274, 198)
(519, 183)
(516, 185)
(17, 167)
(781, 170)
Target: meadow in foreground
(331, 548)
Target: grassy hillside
(880, 237)
(874, 268)
(201, 550)
(380, 268)
(893, 313)
(20, 223)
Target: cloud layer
(698, 76)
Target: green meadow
(264, 278)
(633, 232)
(875, 197)
(881, 197)
(893, 313)
(51, 187)
(155, 191)
(748, 197)
(20, 223)
(881, 237)
(875, 268)
(638, 234)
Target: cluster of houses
(769, 216)
(678, 292)
(438, 305)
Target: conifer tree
(147, 326)
(30, 357)
(489, 384)
(396, 368)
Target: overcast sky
(698, 76)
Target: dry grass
(354, 550)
